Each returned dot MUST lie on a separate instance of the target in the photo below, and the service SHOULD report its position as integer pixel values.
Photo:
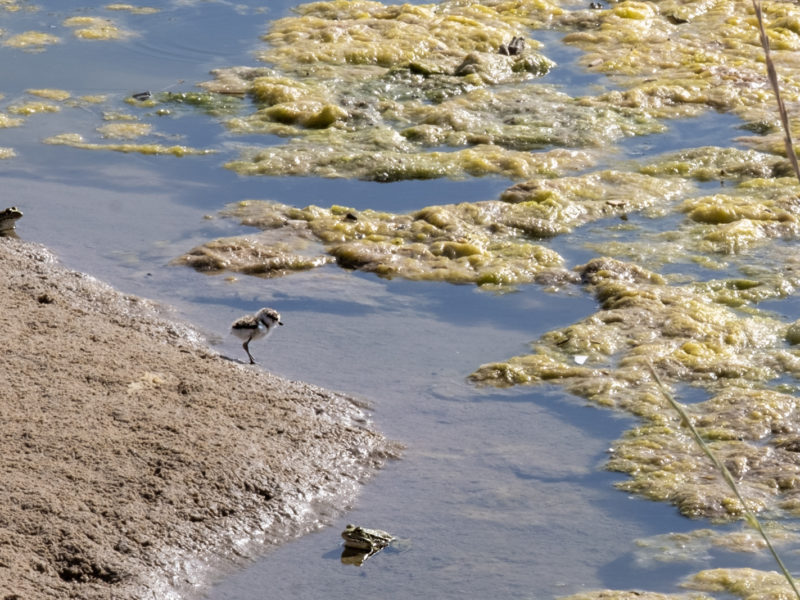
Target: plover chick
(254, 327)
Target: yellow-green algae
(753, 211)
(124, 130)
(434, 74)
(76, 140)
(743, 583)
(119, 116)
(438, 36)
(95, 99)
(250, 256)
(745, 292)
(478, 243)
(31, 40)
(748, 584)
(7, 153)
(694, 546)
(95, 28)
(208, 102)
(10, 5)
(423, 76)
(674, 56)
(136, 10)
(517, 119)
(6, 121)
(50, 94)
(376, 161)
(425, 107)
(721, 164)
(567, 202)
(754, 206)
(739, 218)
(688, 338)
(483, 242)
(774, 277)
(337, 137)
(33, 108)
(176, 103)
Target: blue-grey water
(501, 493)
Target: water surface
(502, 493)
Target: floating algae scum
(366, 160)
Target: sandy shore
(135, 460)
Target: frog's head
(9, 218)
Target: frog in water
(8, 220)
(369, 540)
(360, 543)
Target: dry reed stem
(726, 475)
(773, 79)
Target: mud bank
(136, 461)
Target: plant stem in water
(726, 474)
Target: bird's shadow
(238, 360)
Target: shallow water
(501, 493)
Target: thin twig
(773, 79)
(726, 474)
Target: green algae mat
(687, 243)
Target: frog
(8, 220)
(366, 540)
(360, 543)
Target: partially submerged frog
(370, 540)
(8, 220)
(360, 543)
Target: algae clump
(33, 108)
(694, 546)
(249, 256)
(6, 121)
(437, 75)
(207, 102)
(136, 10)
(487, 242)
(362, 32)
(50, 94)
(690, 339)
(10, 5)
(76, 141)
(714, 163)
(454, 243)
(31, 40)
(365, 90)
(376, 163)
(743, 583)
(124, 130)
(95, 28)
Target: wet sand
(137, 462)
